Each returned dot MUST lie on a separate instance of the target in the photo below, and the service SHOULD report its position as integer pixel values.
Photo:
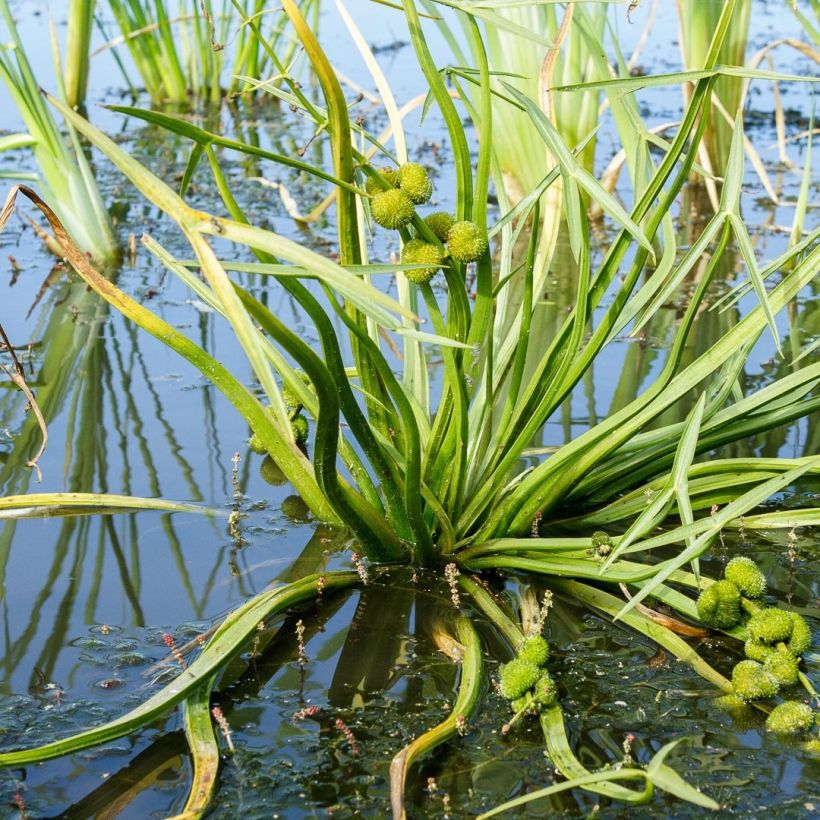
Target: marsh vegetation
(508, 315)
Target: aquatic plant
(746, 576)
(441, 486)
(697, 21)
(65, 174)
(719, 605)
(790, 718)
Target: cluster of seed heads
(394, 208)
(776, 640)
(298, 422)
(525, 681)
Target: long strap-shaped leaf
(292, 462)
(227, 642)
(612, 606)
(376, 304)
(469, 691)
(554, 733)
(533, 496)
(423, 543)
(31, 505)
(199, 732)
(185, 128)
(530, 416)
(347, 227)
(378, 537)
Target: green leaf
(185, 128)
(736, 508)
(629, 85)
(576, 176)
(466, 702)
(35, 505)
(227, 642)
(199, 732)
(666, 778)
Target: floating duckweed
(790, 718)
(466, 242)
(417, 251)
(299, 425)
(719, 605)
(746, 576)
(800, 639)
(440, 223)
(390, 176)
(546, 691)
(770, 625)
(783, 667)
(392, 209)
(415, 182)
(757, 651)
(535, 649)
(517, 677)
(751, 681)
(255, 443)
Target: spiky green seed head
(751, 681)
(742, 713)
(271, 473)
(546, 691)
(800, 639)
(419, 252)
(295, 509)
(390, 176)
(600, 539)
(255, 443)
(439, 222)
(466, 242)
(292, 401)
(759, 652)
(524, 702)
(415, 182)
(517, 677)
(783, 667)
(392, 209)
(719, 605)
(770, 625)
(746, 576)
(601, 544)
(299, 425)
(536, 649)
(790, 718)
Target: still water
(90, 603)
